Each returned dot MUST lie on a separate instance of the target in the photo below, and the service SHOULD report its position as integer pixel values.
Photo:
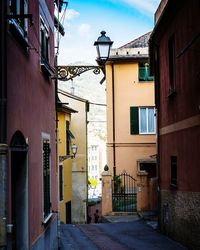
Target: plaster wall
(31, 110)
(128, 91)
(79, 164)
(66, 164)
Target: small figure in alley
(96, 216)
(89, 218)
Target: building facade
(96, 163)
(131, 131)
(174, 47)
(29, 125)
(65, 157)
(79, 163)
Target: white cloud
(146, 6)
(84, 29)
(71, 14)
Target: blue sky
(123, 21)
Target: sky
(123, 21)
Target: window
(67, 139)
(144, 74)
(46, 178)
(174, 171)
(146, 121)
(142, 120)
(19, 25)
(45, 48)
(172, 64)
(44, 39)
(61, 181)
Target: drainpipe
(87, 104)
(157, 102)
(3, 146)
(113, 118)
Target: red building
(175, 59)
(28, 125)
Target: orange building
(131, 141)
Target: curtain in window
(150, 120)
(143, 120)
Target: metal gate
(124, 196)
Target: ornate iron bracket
(66, 73)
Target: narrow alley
(118, 235)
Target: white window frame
(147, 132)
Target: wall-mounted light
(74, 150)
(72, 156)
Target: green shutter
(61, 181)
(142, 73)
(134, 121)
(67, 139)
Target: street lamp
(72, 156)
(103, 45)
(74, 150)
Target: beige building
(79, 173)
(131, 142)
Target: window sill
(45, 221)
(18, 33)
(172, 92)
(145, 81)
(173, 186)
(45, 67)
(147, 133)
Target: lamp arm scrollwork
(66, 73)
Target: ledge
(45, 221)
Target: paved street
(133, 234)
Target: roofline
(62, 92)
(122, 47)
(128, 59)
(163, 16)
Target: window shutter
(142, 74)
(67, 139)
(46, 177)
(61, 181)
(134, 121)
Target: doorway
(68, 207)
(19, 192)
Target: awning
(59, 26)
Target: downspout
(87, 104)
(113, 119)
(157, 102)
(3, 125)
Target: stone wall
(180, 217)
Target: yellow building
(65, 138)
(79, 169)
(131, 126)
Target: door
(19, 194)
(68, 212)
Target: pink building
(174, 46)
(31, 168)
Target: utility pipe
(3, 124)
(113, 118)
